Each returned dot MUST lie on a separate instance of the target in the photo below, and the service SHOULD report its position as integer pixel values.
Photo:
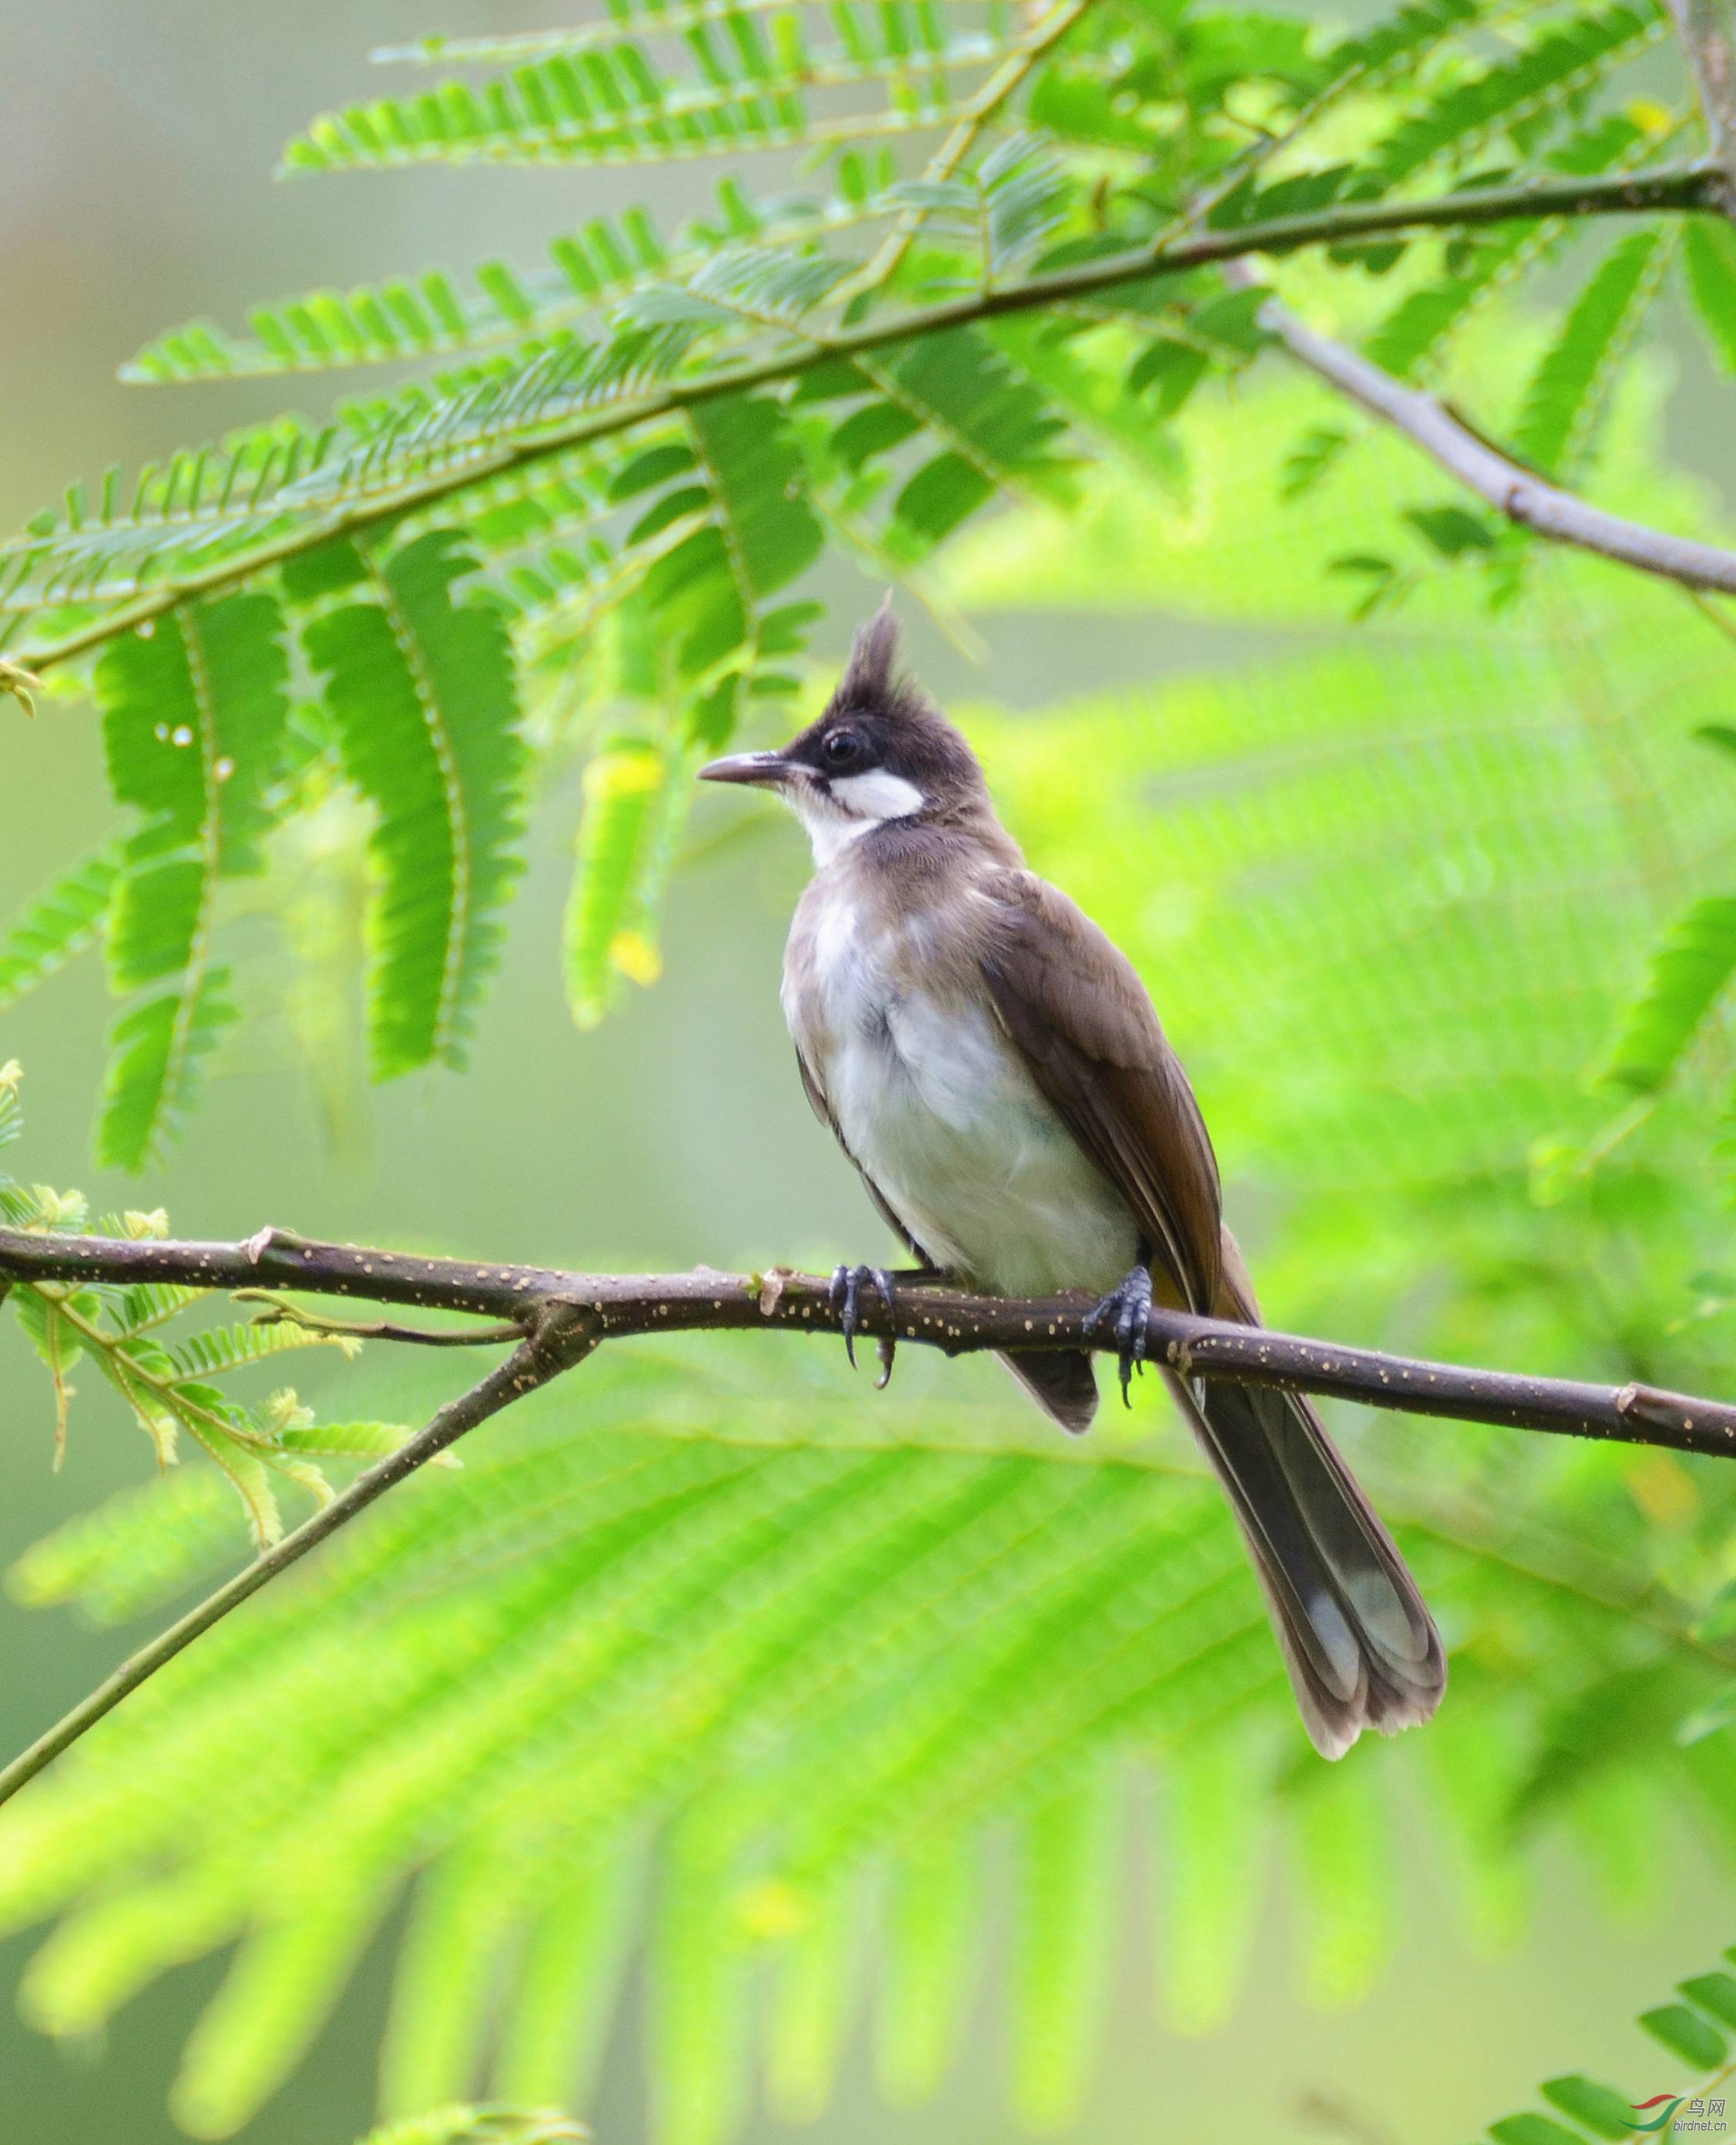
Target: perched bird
(993, 1065)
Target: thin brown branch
(560, 1338)
(278, 1312)
(614, 1306)
(1518, 493)
(559, 1318)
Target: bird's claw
(1130, 1308)
(848, 1283)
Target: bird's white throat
(854, 805)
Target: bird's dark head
(880, 752)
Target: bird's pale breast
(935, 1104)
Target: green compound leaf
(761, 532)
(1568, 391)
(1708, 256)
(930, 1947)
(156, 1069)
(1068, 1894)
(635, 802)
(423, 690)
(194, 712)
(1690, 972)
(58, 925)
(742, 89)
(1547, 76)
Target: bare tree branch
(613, 1307)
(560, 1338)
(562, 1316)
(1514, 490)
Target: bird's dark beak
(764, 769)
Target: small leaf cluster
(1696, 2030)
(174, 1380)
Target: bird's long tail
(1360, 1646)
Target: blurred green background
(135, 189)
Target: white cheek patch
(877, 796)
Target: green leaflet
(575, 1957)
(1709, 254)
(1603, 2111)
(993, 425)
(1565, 60)
(187, 516)
(1566, 396)
(462, 1918)
(1069, 1892)
(635, 802)
(614, 104)
(1346, 1873)
(1210, 1866)
(275, 1996)
(465, 2125)
(141, 1548)
(928, 1943)
(59, 924)
(193, 718)
(1689, 972)
(702, 1959)
(1414, 331)
(762, 533)
(426, 706)
(156, 1068)
(435, 315)
(813, 1995)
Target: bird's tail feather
(1360, 1646)
(1061, 1382)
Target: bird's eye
(842, 748)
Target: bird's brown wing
(1360, 1646)
(1073, 1004)
(822, 1109)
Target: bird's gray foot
(1128, 1307)
(848, 1283)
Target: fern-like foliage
(422, 695)
(1566, 394)
(194, 713)
(1689, 973)
(747, 79)
(58, 925)
(680, 423)
(726, 1672)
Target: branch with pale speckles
(555, 1319)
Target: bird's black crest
(880, 718)
(873, 681)
(870, 677)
